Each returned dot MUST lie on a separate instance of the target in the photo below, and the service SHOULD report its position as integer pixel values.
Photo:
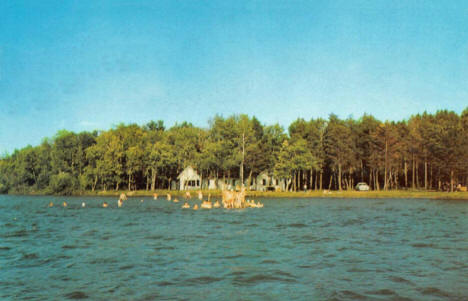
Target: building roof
(189, 174)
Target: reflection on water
(291, 249)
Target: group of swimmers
(209, 205)
(204, 205)
(83, 204)
(217, 204)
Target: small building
(265, 181)
(189, 179)
(222, 184)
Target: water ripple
(301, 249)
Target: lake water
(293, 249)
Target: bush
(63, 183)
(3, 188)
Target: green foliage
(63, 183)
(429, 150)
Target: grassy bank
(418, 194)
(415, 194)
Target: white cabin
(264, 182)
(189, 179)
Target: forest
(427, 151)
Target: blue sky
(79, 65)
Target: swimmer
(206, 205)
(119, 203)
(195, 207)
(186, 206)
(169, 197)
(83, 204)
(51, 204)
(200, 195)
(187, 194)
(65, 204)
(216, 204)
(104, 205)
(176, 200)
(141, 201)
(155, 196)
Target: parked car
(362, 186)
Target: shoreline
(401, 194)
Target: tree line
(427, 151)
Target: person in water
(65, 204)
(206, 205)
(119, 203)
(83, 204)
(169, 197)
(186, 205)
(195, 207)
(104, 205)
(51, 204)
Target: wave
(434, 291)
(398, 279)
(201, 280)
(422, 245)
(76, 295)
(275, 276)
(269, 261)
(19, 233)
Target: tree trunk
(311, 182)
(389, 179)
(395, 180)
(339, 176)
(299, 182)
(386, 162)
(242, 162)
(331, 181)
(430, 179)
(439, 180)
(425, 174)
(362, 171)
(316, 180)
(93, 187)
(153, 179)
(417, 175)
(294, 181)
(451, 180)
(377, 180)
(321, 176)
(249, 180)
(350, 185)
(406, 174)
(414, 174)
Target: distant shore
(413, 194)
